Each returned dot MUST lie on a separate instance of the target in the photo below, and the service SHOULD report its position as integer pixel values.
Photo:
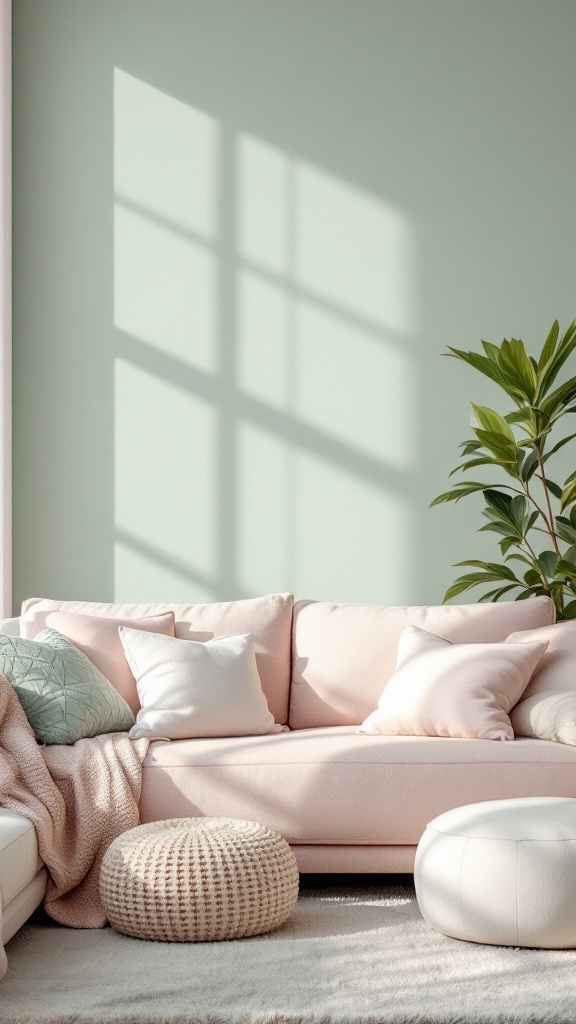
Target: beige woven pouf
(198, 880)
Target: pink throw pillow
(557, 670)
(98, 638)
(459, 690)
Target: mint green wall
(244, 231)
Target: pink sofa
(345, 802)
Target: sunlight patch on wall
(263, 527)
(325, 301)
(165, 289)
(165, 155)
(263, 310)
(352, 386)
(353, 249)
(263, 190)
(165, 490)
(314, 528)
(351, 536)
(326, 315)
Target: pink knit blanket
(79, 797)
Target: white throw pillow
(460, 690)
(189, 689)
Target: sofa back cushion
(268, 619)
(97, 637)
(344, 654)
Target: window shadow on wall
(264, 425)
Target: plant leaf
(531, 577)
(484, 461)
(570, 555)
(481, 363)
(568, 495)
(502, 528)
(459, 586)
(516, 369)
(489, 420)
(529, 465)
(520, 558)
(549, 346)
(500, 501)
(494, 569)
(548, 562)
(569, 611)
(500, 446)
(560, 398)
(553, 488)
(492, 351)
(507, 543)
(495, 595)
(529, 592)
(529, 522)
(469, 447)
(459, 491)
(565, 530)
(565, 569)
(549, 373)
(518, 510)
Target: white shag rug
(347, 956)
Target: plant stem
(536, 567)
(541, 477)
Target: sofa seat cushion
(19, 859)
(330, 785)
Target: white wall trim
(6, 308)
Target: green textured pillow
(64, 696)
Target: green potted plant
(533, 515)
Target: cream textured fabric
(458, 690)
(268, 619)
(350, 954)
(98, 638)
(547, 716)
(501, 872)
(79, 799)
(196, 689)
(198, 880)
(318, 786)
(344, 654)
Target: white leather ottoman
(501, 872)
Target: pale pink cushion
(458, 690)
(344, 654)
(332, 786)
(98, 638)
(547, 706)
(557, 670)
(268, 619)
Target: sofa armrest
(22, 879)
(10, 627)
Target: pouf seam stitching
(499, 839)
(516, 890)
(464, 930)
